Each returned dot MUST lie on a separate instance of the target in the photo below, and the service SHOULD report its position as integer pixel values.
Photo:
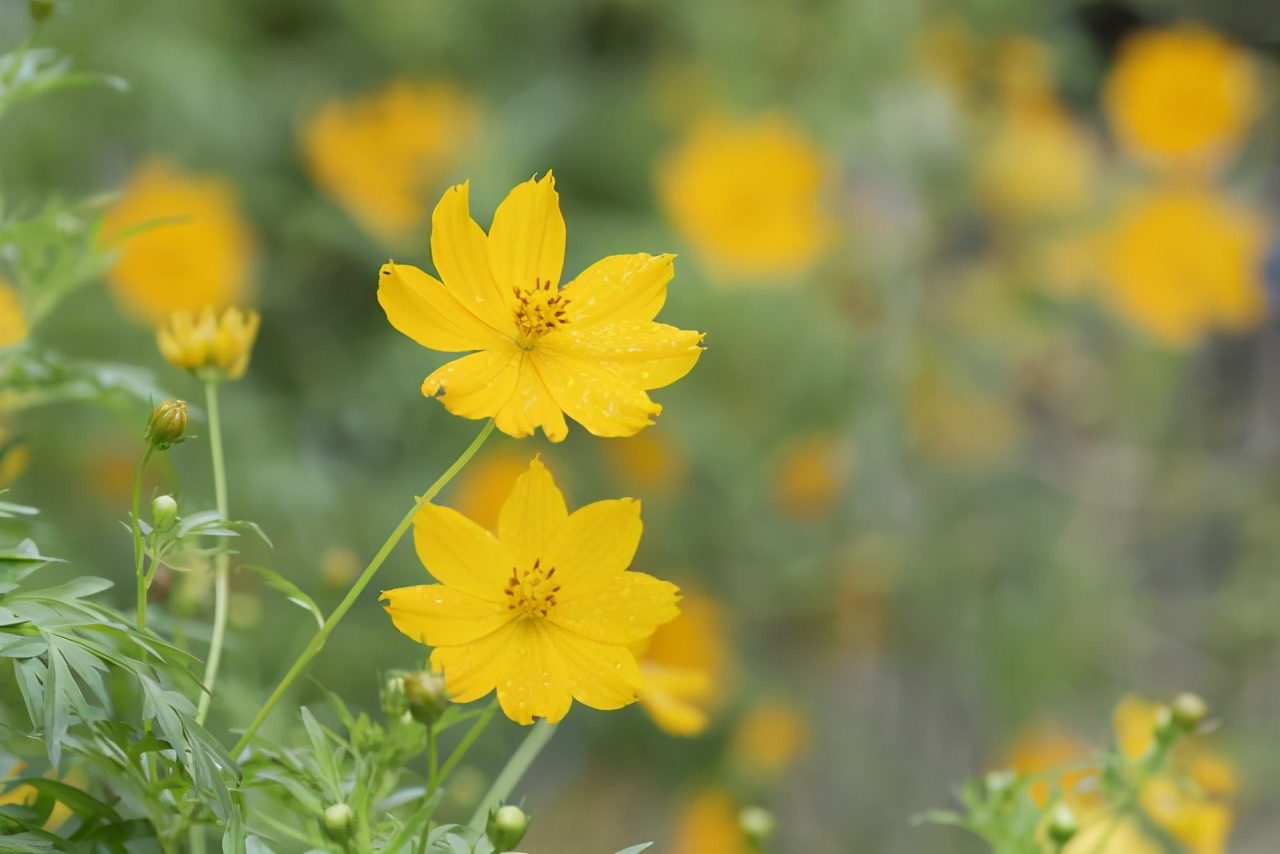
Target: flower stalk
(511, 775)
(222, 561)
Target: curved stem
(318, 640)
(510, 776)
(222, 561)
(135, 527)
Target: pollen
(532, 593)
(539, 310)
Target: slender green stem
(318, 640)
(433, 761)
(510, 776)
(135, 526)
(467, 740)
(222, 561)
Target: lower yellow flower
(543, 612)
(208, 343)
(685, 667)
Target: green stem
(135, 526)
(433, 761)
(222, 561)
(318, 640)
(510, 776)
(467, 740)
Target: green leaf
(636, 849)
(20, 561)
(291, 591)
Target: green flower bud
(164, 513)
(424, 691)
(1164, 729)
(339, 822)
(1188, 711)
(41, 10)
(1062, 825)
(506, 827)
(758, 824)
(167, 425)
(394, 703)
(1000, 783)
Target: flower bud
(757, 824)
(506, 827)
(1062, 825)
(40, 10)
(392, 699)
(426, 696)
(1188, 711)
(1000, 783)
(164, 513)
(212, 346)
(1164, 729)
(339, 822)
(167, 425)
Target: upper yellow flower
(589, 350)
(13, 320)
(380, 153)
(1184, 261)
(1181, 93)
(748, 196)
(194, 250)
(208, 345)
(544, 611)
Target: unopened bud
(1189, 711)
(392, 699)
(167, 425)
(1000, 783)
(1062, 825)
(426, 696)
(1164, 729)
(339, 822)
(40, 10)
(757, 824)
(506, 827)
(164, 513)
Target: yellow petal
(459, 553)
(619, 287)
(622, 610)
(603, 676)
(532, 517)
(647, 355)
(531, 406)
(476, 386)
(595, 396)
(436, 615)
(598, 543)
(423, 309)
(538, 681)
(474, 669)
(666, 696)
(460, 251)
(526, 241)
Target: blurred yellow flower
(684, 667)
(1057, 759)
(1184, 261)
(649, 463)
(1039, 163)
(748, 196)
(1104, 833)
(708, 824)
(544, 612)
(1181, 94)
(811, 475)
(194, 250)
(380, 153)
(483, 486)
(339, 566)
(208, 345)
(13, 320)
(589, 350)
(14, 457)
(26, 793)
(769, 737)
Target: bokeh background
(985, 438)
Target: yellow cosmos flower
(748, 196)
(1055, 756)
(13, 320)
(483, 486)
(14, 457)
(544, 611)
(709, 825)
(812, 474)
(209, 345)
(1181, 94)
(770, 737)
(589, 350)
(650, 463)
(197, 252)
(379, 153)
(1184, 261)
(685, 667)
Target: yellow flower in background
(1179, 94)
(748, 196)
(483, 486)
(1057, 759)
(947, 52)
(380, 153)
(14, 457)
(649, 463)
(1039, 163)
(589, 350)
(685, 667)
(769, 737)
(812, 474)
(1103, 833)
(27, 794)
(13, 319)
(1184, 261)
(543, 612)
(209, 345)
(192, 249)
(708, 824)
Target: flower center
(531, 592)
(539, 310)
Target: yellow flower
(1184, 261)
(589, 350)
(27, 794)
(13, 320)
(1102, 832)
(770, 737)
(1054, 756)
(709, 825)
(748, 196)
(812, 475)
(650, 463)
(379, 153)
(14, 457)
(208, 345)
(483, 486)
(544, 611)
(195, 249)
(685, 666)
(1181, 94)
